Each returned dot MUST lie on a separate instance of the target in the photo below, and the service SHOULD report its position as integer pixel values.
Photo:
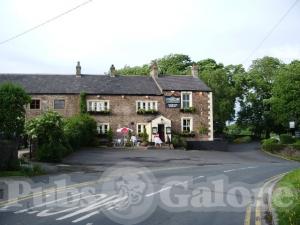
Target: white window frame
(145, 105)
(191, 123)
(40, 104)
(96, 105)
(99, 125)
(191, 98)
(143, 127)
(59, 99)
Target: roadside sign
(172, 101)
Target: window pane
(35, 104)
(59, 104)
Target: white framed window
(146, 105)
(102, 128)
(186, 100)
(97, 105)
(141, 127)
(186, 124)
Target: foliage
(296, 145)
(47, 129)
(110, 135)
(80, 130)
(83, 106)
(286, 139)
(145, 136)
(188, 110)
(187, 134)
(226, 83)
(175, 64)
(240, 140)
(149, 112)
(290, 214)
(285, 102)
(136, 70)
(271, 145)
(102, 112)
(27, 171)
(178, 141)
(203, 130)
(255, 107)
(12, 110)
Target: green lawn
(290, 213)
(24, 172)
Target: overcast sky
(134, 32)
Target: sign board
(292, 125)
(297, 133)
(172, 101)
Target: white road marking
(86, 216)
(244, 168)
(45, 203)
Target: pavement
(104, 186)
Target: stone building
(163, 104)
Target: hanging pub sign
(172, 101)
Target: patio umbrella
(124, 130)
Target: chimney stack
(154, 69)
(78, 70)
(112, 71)
(194, 70)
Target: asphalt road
(149, 187)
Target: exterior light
(123, 96)
(98, 96)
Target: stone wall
(47, 103)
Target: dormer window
(186, 100)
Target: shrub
(47, 129)
(240, 140)
(178, 141)
(145, 136)
(286, 139)
(110, 135)
(12, 110)
(271, 145)
(80, 131)
(83, 106)
(296, 145)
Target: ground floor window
(59, 104)
(187, 124)
(141, 128)
(35, 104)
(102, 128)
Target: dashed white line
(244, 168)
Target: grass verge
(35, 170)
(286, 199)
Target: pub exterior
(163, 104)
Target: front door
(161, 132)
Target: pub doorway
(161, 132)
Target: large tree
(285, 103)
(175, 64)
(255, 109)
(225, 83)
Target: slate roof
(103, 84)
(90, 84)
(181, 83)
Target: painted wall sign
(172, 101)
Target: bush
(47, 130)
(271, 145)
(110, 135)
(241, 140)
(296, 145)
(145, 136)
(178, 141)
(286, 139)
(80, 131)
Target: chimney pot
(194, 70)
(154, 69)
(112, 71)
(78, 69)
